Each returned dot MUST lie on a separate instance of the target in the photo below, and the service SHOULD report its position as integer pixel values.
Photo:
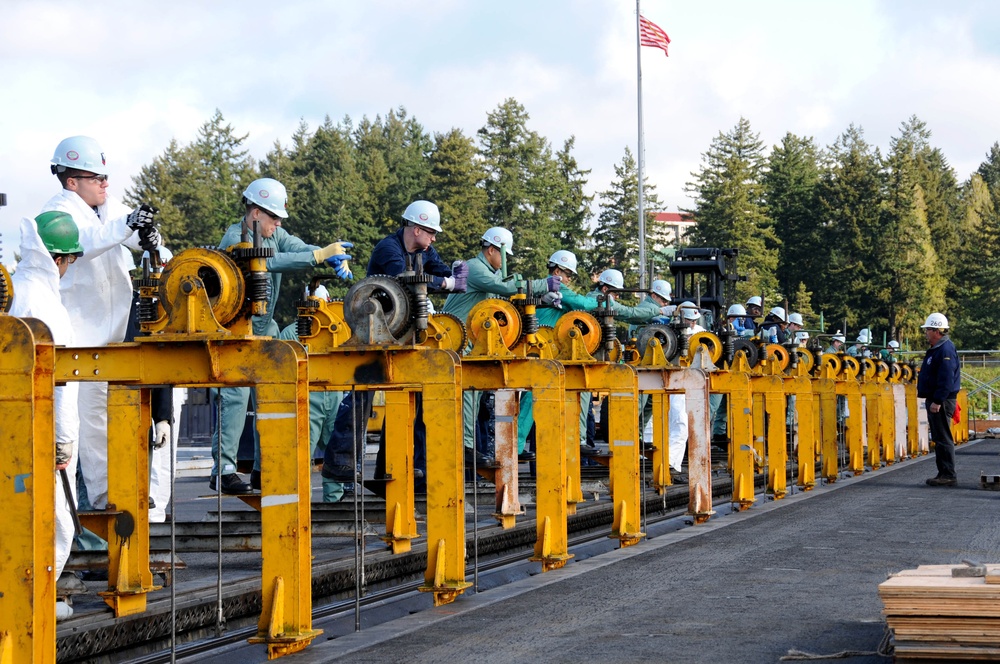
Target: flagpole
(641, 156)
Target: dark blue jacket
(940, 375)
(389, 258)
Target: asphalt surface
(797, 574)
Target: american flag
(653, 35)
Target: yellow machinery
(507, 354)
(799, 384)
(384, 338)
(196, 317)
(696, 356)
(588, 351)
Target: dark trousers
(940, 430)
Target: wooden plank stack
(937, 616)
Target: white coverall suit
(97, 293)
(36, 295)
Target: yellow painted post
(735, 384)
(550, 405)
(401, 525)
(286, 531)
(777, 438)
(870, 392)
(441, 374)
(887, 422)
(805, 411)
(623, 414)
(574, 409)
(129, 577)
(27, 492)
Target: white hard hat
(736, 310)
(563, 259)
(423, 213)
(500, 237)
(864, 336)
(690, 311)
(755, 300)
(936, 320)
(894, 344)
(801, 336)
(662, 288)
(165, 254)
(779, 312)
(79, 152)
(612, 278)
(839, 336)
(795, 318)
(268, 194)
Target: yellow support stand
(27, 491)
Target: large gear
(662, 333)
(391, 296)
(502, 312)
(583, 322)
(445, 331)
(6, 290)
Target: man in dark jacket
(938, 382)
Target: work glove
(161, 434)
(149, 238)
(554, 283)
(341, 266)
(553, 300)
(661, 320)
(668, 310)
(336, 249)
(141, 217)
(460, 273)
(64, 454)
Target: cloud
(136, 75)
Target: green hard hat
(59, 233)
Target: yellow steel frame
(402, 371)
(799, 384)
(27, 487)
(769, 430)
(660, 380)
(278, 371)
(734, 382)
(825, 413)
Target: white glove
(552, 299)
(161, 434)
(668, 310)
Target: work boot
(152, 503)
(255, 480)
(482, 461)
(589, 451)
(339, 473)
(63, 611)
(232, 484)
(942, 481)
(525, 456)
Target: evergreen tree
(730, 207)
(801, 302)
(199, 188)
(849, 200)
(790, 188)
(522, 185)
(454, 185)
(573, 209)
(901, 264)
(976, 312)
(616, 237)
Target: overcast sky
(134, 74)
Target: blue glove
(460, 273)
(661, 320)
(553, 283)
(341, 266)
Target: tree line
(865, 239)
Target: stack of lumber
(935, 615)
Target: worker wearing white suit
(97, 289)
(47, 250)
